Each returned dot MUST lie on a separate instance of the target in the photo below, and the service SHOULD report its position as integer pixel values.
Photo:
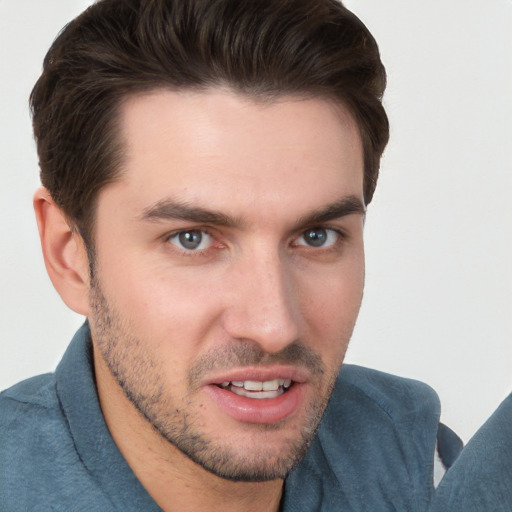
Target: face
(229, 272)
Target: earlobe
(64, 253)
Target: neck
(173, 480)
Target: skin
(261, 291)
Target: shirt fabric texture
(480, 480)
(373, 450)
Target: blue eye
(318, 237)
(191, 240)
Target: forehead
(217, 148)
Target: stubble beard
(142, 380)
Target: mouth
(260, 395)
(258, 389)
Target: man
(206, 169)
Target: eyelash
(191, 252)
(341, 235)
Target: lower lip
(259, 410)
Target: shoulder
(30, 413)
(397, 400)
(481, 477)
(38, 390)
(30, 425)
(37, 452)
(376, 443)
(34, 397)
(386, 418)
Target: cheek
(330, 304)
(171, 311)
(334, 307)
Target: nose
(263, 302)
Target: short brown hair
(263, 48)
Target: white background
(438, 300)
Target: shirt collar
(78, 397)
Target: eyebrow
(346, 206)
(168, 209)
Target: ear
(64, 253)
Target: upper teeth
(254, 385)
